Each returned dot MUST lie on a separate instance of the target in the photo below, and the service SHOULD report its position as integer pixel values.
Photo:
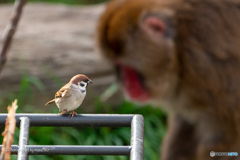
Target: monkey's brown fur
(194, 71)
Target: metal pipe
(78, 150)
(137, 135)
(91, 120)
(135, 121)
(73, 150)
(23, 138)
(14, 149)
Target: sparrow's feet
(63, 112)
(73, 113)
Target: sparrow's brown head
(79, 78)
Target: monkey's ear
(155, 26)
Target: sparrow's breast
(73, 101)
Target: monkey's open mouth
(133, 83)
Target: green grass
(154, 120)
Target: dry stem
(8, 133)
(10, 30)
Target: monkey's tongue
(132, 84)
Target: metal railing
(25, 121)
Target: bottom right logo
(223, 154)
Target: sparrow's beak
(90, 81)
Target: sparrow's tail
(49, 102)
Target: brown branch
(10, 30)
(8, 133)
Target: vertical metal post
(23, 138)
(137, 141)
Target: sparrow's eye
(86, 80)
(82, 84)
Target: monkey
(182, 55)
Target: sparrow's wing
(63, 92)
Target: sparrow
(71, 95)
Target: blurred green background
(154, 118)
